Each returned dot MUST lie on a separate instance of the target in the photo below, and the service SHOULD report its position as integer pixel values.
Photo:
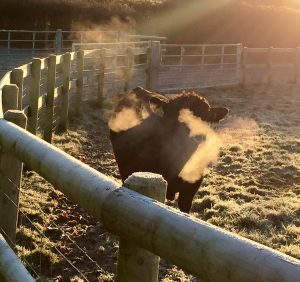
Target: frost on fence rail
(11, 269)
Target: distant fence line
(270, 65)
(198, 66)
(38, 96)
(20, 46)
(219, 64)
(190, 66)
(193, 67)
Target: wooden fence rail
(11, 268)
(36, 91)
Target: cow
(148, 135)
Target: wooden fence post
(58, 41)
(51, 77)
(238, 60)
(222, 57)
(10, 172)
(128, 70)
(10, 93)
(297, 57)
(63, 124)
(203, 50)
(101, 78)
(8, 42)
(155, 60)
(17, 78)
(244, 66)
(182, 51)
(148, 69)
(134, 263)
(34, 93)
(269, 65)
(79, 80)
(114, 70)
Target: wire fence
(36, 269)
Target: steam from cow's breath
(206, 153)
(110, 32)
(100, 33)
(240, 131)
(128, 117)
(125, 119)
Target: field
(253, 190)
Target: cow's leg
(172, 187)
(186, 195)
(170, 195)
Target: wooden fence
(47, 87)
(188, 66)
(198, 66)
(174, 67)
(270, 65)
(37, 97)
(20, 46)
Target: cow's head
(170, 108)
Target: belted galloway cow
(169, 136)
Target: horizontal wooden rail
(200, 248)
(11, 268)
(200, 45)
(147, 37)
(165, 66)
(26, 31)
(283, 50)
(25, 40)
(93, 46)
(275, 50)
(274, 65)
(197, 55)
(115, 52)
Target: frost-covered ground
(253, 190)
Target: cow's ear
(142, 93)
(146, 95)
(218, 113)
(159, 101)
